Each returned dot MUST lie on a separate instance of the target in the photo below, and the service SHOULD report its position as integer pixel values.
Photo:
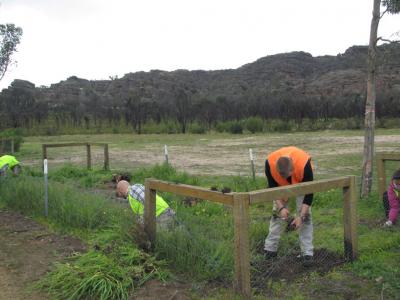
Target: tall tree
(137, 107)
(18, 102)
(392, 6)
(10, 36)
(183, 104)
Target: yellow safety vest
(9, 160)
(138, 207)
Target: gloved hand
(291, 226)
(297, 222)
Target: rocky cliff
(282, 78)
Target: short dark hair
(284, 166)
(396, 174)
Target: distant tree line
(292, 88)
(21, 106)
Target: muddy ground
(28, 250)
(289, 267)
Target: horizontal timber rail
(298, 189)
(88, 151)
(190, 191)
(71, 144)
(241, 206)
(380, 165)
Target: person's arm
(137, 192)
(391, 195)
(307, 201)
(308, 176)
(280, 203)
(3, 170)
(271, 181)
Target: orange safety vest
(299, 158)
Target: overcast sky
(95, 39)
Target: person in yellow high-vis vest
(135, 195)
(9, 162)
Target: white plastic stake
(166, 153)
(45, 169)
(46, 186)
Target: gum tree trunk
(366, 181)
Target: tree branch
(387, 40)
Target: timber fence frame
(380, 166)
(241, 203)
(3, 144)
(88, 151)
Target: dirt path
(27, 251)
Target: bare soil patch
(289, 267)
(27, 252)
(155, 290)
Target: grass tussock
(113, 269)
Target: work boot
(388, 224)
(307, 260)
(270, 254)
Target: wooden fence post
(12, 146)
(89, 157)
(44, 151)
(350, 220)
(253, 171)
(150, 213)
(106, 158)
(241, 204)
(380, 167)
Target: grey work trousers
(277, 225)
(164, 220)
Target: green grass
(69, 208)
(200, 248)
(336, 152)
(113, 267)
(113, 270)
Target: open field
(199, 253)
(335, 153)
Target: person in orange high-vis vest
(290, 165)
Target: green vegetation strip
(199, 246)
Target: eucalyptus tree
(392, 7)
(10, 36)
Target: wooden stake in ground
(253, 172)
